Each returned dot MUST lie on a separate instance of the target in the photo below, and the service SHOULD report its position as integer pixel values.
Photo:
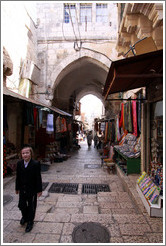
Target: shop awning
(20, 97)
(134, 72)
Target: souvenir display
(149, 189)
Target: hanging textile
(28, 114)
(130, 126)
(35, 116)
(63, 125)
(40, 117)
(126, 116)
(50, 124)
(139, 113)
(121, 122)
(117, 129)
(134, 113)
(106, 131)
(58, 124)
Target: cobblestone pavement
(58, 214)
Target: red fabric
(134, 113)
(64, 126)
(106, 131)
(121, 122)
(35, 116)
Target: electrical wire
(72, 23)
(96, 52)
(76, 46)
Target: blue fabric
(50, 123)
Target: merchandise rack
(154, 210)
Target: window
(101, 12)
(69, 13)
(85, 13)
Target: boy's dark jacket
(29, 179)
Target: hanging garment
(40, 117)
(35, 116)
(63, 125)
(126, 116)
(121, 122)
(130, 126)
(134, 113)
(109, 134)
(58, 124)
(50, 123)
(28, 114)
(106, 131)
(117, 129)
(139, 113)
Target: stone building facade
(137, 21)
(69, 46)
(59, 42)
(19, 38)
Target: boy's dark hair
(28, 146)
(25, 146)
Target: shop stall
(26, 121)
(140, 149)
(141, 71)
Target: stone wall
(18, 37)
(56, 39)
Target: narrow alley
(76, 73)
(59, 216)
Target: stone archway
(64, 66)
(84, 75)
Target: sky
(91, 105)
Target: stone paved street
(58, 214)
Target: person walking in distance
(28, 185)
(89, 138)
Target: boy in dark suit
(28, 186)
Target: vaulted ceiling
(85, 76)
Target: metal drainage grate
(94, 188)
(90, 232)
(44, 185)
(92, 166)
(64, 188)
(7, 199)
